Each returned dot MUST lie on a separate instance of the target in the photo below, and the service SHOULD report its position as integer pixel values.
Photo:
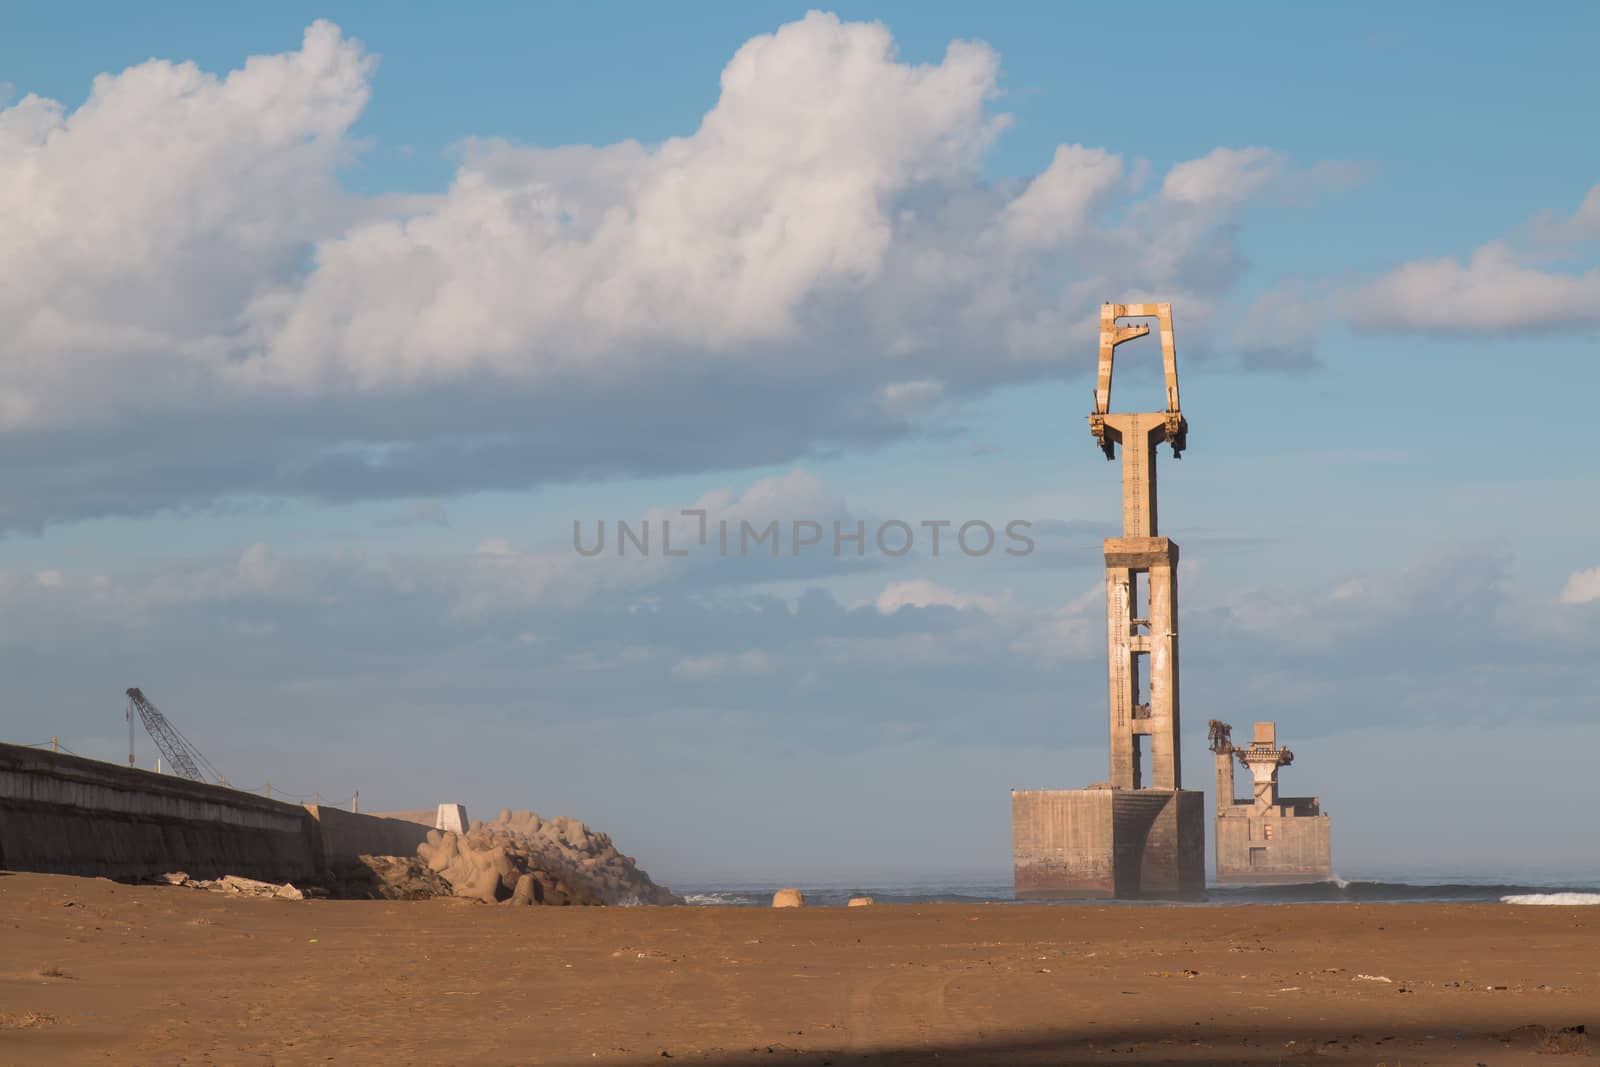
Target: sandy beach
(96, 972)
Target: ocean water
(1475, 888)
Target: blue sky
(306, 371)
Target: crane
(182, 756)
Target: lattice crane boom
(180, 755)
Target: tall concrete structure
(1127, 837)
(1266, 838)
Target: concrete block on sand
(860, 902)
(526, 892)
(788, 898)
(442, 854)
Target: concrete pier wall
(1062, 843)
(1273, 848)
(68, 815)
(346, 836)
(1108, 843)
(423, 816)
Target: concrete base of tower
(1126, 844)
(1274, 847)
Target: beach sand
(95, 972)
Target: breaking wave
(1551, 898)
(715, 899)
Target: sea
(1569, 888)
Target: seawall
(345, 836)
(1127, 844)
(64, 814)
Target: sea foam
(1552, 898)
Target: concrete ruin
(1266, 838)
(1128, 837)
(452, 818)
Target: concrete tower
(1141, 567)
(1127, 837)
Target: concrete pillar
(1266, 784)
(1142, 650)
(1166, 771)
(1139, 434)
(1122, 672)
(1224, 781)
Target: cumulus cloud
(1226, 174)
(140, 225)
(1512, 284)
(1495, 291)
(1533, 280)
(813, 265)
(715, 241)
(1583, 587)
(1059, 204)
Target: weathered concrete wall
(1161, 844)
(67, 815)
(1130, 844)
(451, 817)
(1135, 817)
(1298, 849)
(1062, 843)
(345, 836)
(422, 817)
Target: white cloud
(1507, 285)
(922, 593)
(822, 246)
(1226, 175)
(1529, 281)
(1583, 587)
(1059, 204)
(535, 265)
(138, 226)
(1495, 291)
